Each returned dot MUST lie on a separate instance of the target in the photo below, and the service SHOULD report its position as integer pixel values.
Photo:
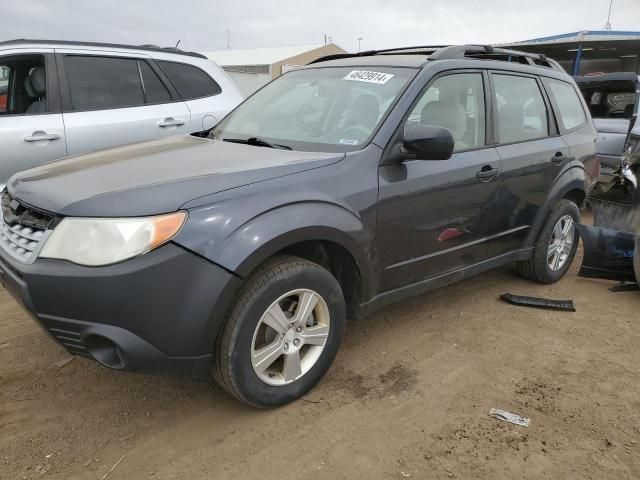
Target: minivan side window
(190, 81)
(98, 83)
(522, 113)
(567, 101)
(154, 89)
(23, 85)
(455, 102)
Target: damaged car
(612, 98)
(340, 187)
(612, 244)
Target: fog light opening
(105, 351)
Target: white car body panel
(85, 131)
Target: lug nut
(291, 325)
(296, 342)
(286, 347)
(299, 329)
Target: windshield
(610, 98)
(320, 109)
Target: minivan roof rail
(450, 52)
(152, 48)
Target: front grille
(22, 229)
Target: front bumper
(155, 313)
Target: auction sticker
(369, 77)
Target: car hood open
(154, 177)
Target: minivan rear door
(28, 137)
(113, 98)
(202, 94)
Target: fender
(239, 241)
(574, 178)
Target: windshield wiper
(258, 142)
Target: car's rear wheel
(282, 333)
(556, 246)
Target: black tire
(232, 366)
(536, 268)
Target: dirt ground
(408, 397)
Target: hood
(154, 177)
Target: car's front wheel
(282, 333)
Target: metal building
(589, 51)
(254, 67)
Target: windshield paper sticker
(369, 77)
(348, 141)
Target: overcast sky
(202, 25)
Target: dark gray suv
(338, 188)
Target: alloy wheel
(290, 337)
(561, 243)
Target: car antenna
(178, 43)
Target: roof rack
(152, 48)
(450, 52)
(421, 50)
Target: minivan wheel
(282, 334)
(556, 246)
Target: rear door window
(190, 81)
(154, 89)
(522, 112)
(98, 83)
(567, 102)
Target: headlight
(101, 241)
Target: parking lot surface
(407, 397)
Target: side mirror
(428, 142)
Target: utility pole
(228, 38)
(359, 41)
(325, 39)
(607, 26)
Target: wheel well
(339, 262)
(577, 196)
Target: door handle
(559, 158)
(40, 136)
(170, 122)
(487, 173)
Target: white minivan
(65, 98)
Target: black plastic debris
(625, 287)
(537, 302)
(608, 254)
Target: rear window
(569, 105)
(190, 81)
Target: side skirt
(423, 286)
